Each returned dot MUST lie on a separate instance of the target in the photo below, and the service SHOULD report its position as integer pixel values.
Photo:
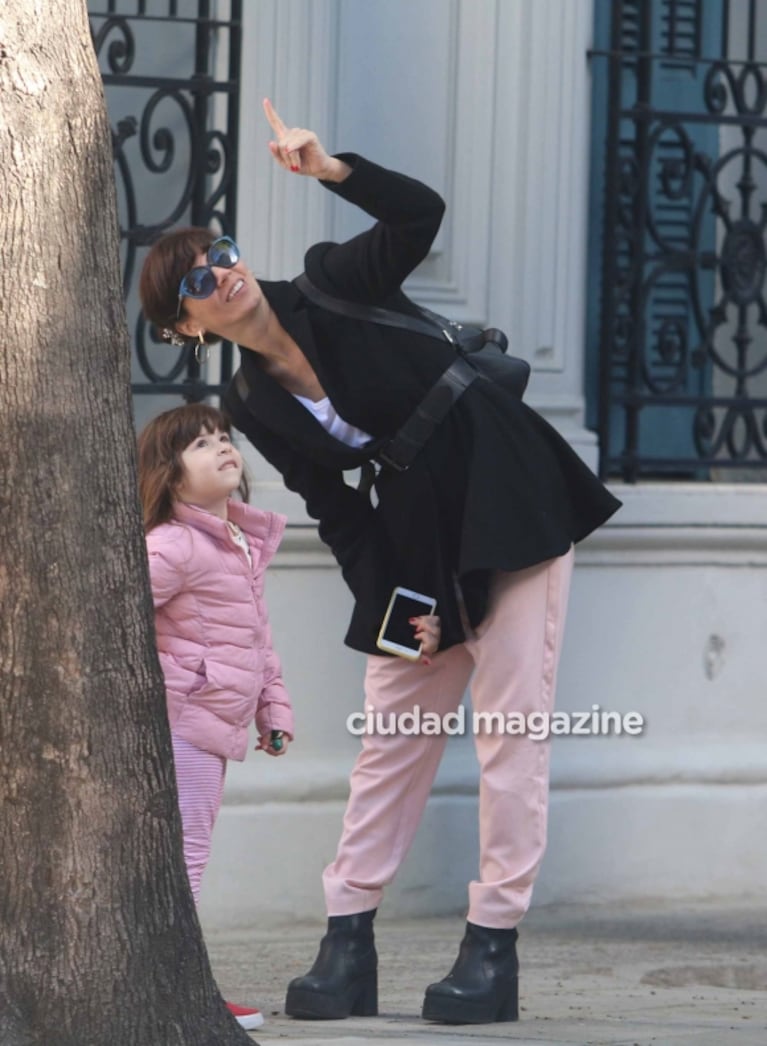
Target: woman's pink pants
(511, 660)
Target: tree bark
(99, 940)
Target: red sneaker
(248, 1017)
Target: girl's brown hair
(166, 264)
(160, 446)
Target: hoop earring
(201, 350)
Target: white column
(538, 250)
(288, 55)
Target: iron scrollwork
(175, 145)
(684, 329)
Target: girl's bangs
(196, 418)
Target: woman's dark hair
(160, 446)
(168, 261)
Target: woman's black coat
(495, 488)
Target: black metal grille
(683, 345)
(171, 72)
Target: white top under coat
(332, 422)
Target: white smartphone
(396, 635)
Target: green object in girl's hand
(275, 740)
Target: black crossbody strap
(464, 339)
(433, 327)
(400, 452)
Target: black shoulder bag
(480, 354)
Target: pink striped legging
(200, 783)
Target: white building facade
(490, 102)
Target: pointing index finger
(275, 122)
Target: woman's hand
(301, 151)
(428, 629)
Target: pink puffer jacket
(213, 633)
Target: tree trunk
(99, 940)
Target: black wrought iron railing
(683, 304)
(171, 71)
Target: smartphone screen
(398, 630)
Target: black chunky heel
(366, 1003)
(483, 985)
(343, 981)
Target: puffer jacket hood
(213, 633)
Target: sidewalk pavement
(632, 975)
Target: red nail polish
(294, 167)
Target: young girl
(207, 559)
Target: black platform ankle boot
(482, 985)
(344, 978)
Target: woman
(484, 521)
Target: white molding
(712, 546)
(576, 765)
(435, 123)
(681, 523)
(676, 504)
(675, 546)
(460, 283)
(540, 194)
(289, 55)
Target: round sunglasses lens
(199, 283)
(224, 253)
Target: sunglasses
(200, 282)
